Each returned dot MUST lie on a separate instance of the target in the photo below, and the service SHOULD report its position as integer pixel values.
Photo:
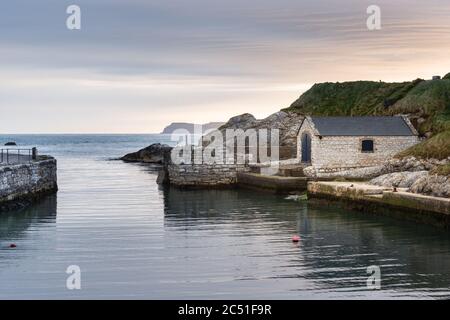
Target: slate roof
(362, 126)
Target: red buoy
(12, 245)
(295, 238)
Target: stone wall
(345, 151)
(380, 200)
(275, 184)
(205, 175)
(22, 183)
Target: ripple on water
(133, 239)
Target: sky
(135, 66)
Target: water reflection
(336, 245)
(132, 239)
(19, 228)
(15, 224)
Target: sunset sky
(135, 65)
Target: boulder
(154, 153)
(412, 164)
(351, 174)
(11, 143)
(417, 182)
(435, 185)
(242, 121)
(399, 179)
(288, 124)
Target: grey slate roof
(362, 126)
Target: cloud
(200, 60)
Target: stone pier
(23, 183)
(383, 200)
(205, 175)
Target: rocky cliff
(190, 127)
(288, 124)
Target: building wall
(305, 128)
(345, 151)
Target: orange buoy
(12, 245)
(295, 238)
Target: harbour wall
(382, 200)
(205, 175)
(22, 184)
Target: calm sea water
(133, 239)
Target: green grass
(427, 100)
(443, 170)
(431, 101)
(427, 103)
(348, 98)
(437, 147)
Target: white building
(348, 142)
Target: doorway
(306, 148)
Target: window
(367, 146)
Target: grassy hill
(427, 103)
(437, 147)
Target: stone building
(351, 142)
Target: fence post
(34, 153)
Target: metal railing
(17, 156)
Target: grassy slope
(349, 98)
(427, 100)
(437, 147)
(443, 170)
(430, 99)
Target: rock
(399, 179)
(191, 127)
(417, 182)
(11, 143)
(152, 154)
(403, 166)
(438, 186)
(163, 177)
(287, 123)
(412, 164)
(242, 121)
(420, 120)
(330, 173)
(297, 197)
